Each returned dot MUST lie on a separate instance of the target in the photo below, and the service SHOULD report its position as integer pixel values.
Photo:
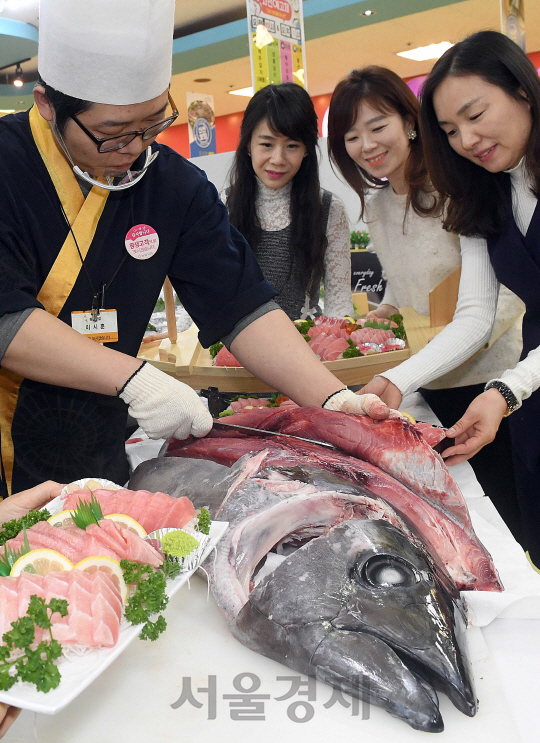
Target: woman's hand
(382, 312)
(8, 715)
(477, 427)
(386, 390)
(17, 506)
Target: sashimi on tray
(81, 585)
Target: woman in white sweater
(374, 140)
(298, 232)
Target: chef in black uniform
(94, 214)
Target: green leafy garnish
(10, 556)
(10, 529)
(215, 348)
(203, 524)
(352, 351)
(399, 332)
(160, 305)
(87, 512)
(149, 597)
(151, 327)
(35, 666)
(304, 326)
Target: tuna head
(359, 608)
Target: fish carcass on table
(427, 495)
(357, 601)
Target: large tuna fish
(446, 531)
(357, 602)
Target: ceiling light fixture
(18, 81)
(421, 53)
(7, 111)
(202, 80)
(248, 92)
(369, 12)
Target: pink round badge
(142, 241)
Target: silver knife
(260, 432)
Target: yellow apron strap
(84, 215)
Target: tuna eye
(386, 571)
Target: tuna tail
(367, 668)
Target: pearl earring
(411, 134)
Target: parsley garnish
(149, 597)
(35, 666)
(203, 524)
(352, 351)
(10, 529)
(215, 348)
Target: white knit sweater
(415, 258)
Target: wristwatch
(511, 400)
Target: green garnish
(10, 529)
(149, 597)
(304, 326)
(399, 332)
(178, 543)
(225, 413)
(239, 397)
(215, 349)
(203, 524)
(10, 556)
(87, 512)
(35, 666)
(352, 351)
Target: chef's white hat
(106, 51)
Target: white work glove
(346, 401)
(163, 406)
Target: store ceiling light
(248, 92)
(421, 53)
(369, 12)
(18, 81)
(7, 111)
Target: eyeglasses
(110, 144)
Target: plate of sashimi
(83, 577)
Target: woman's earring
(411, 134)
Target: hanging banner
(277, 44)
(513, 21)
(201, 124)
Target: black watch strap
(511, 400)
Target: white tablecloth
(131, 702)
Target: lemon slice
(62, 519)
(409, 416)
(41, 562)
(128, 522)
(107, 565)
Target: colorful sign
(201, 124)
(513, 21)
(277, 44)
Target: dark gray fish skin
(204, 482)
(340, 626)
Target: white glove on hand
(346, 401)
(163, 406)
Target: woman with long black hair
(299, 232)
(480, 117)
(375, 142)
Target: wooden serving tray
(359, 370)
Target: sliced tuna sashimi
(225, 358)
(171, 512)
(99, 627)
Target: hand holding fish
(385, 390)
(17, 506)
(346, 401)
(477, 427)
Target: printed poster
(277, 43)
(513, 21)
(201, 124)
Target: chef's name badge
(104, 329)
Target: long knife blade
(262, 433)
